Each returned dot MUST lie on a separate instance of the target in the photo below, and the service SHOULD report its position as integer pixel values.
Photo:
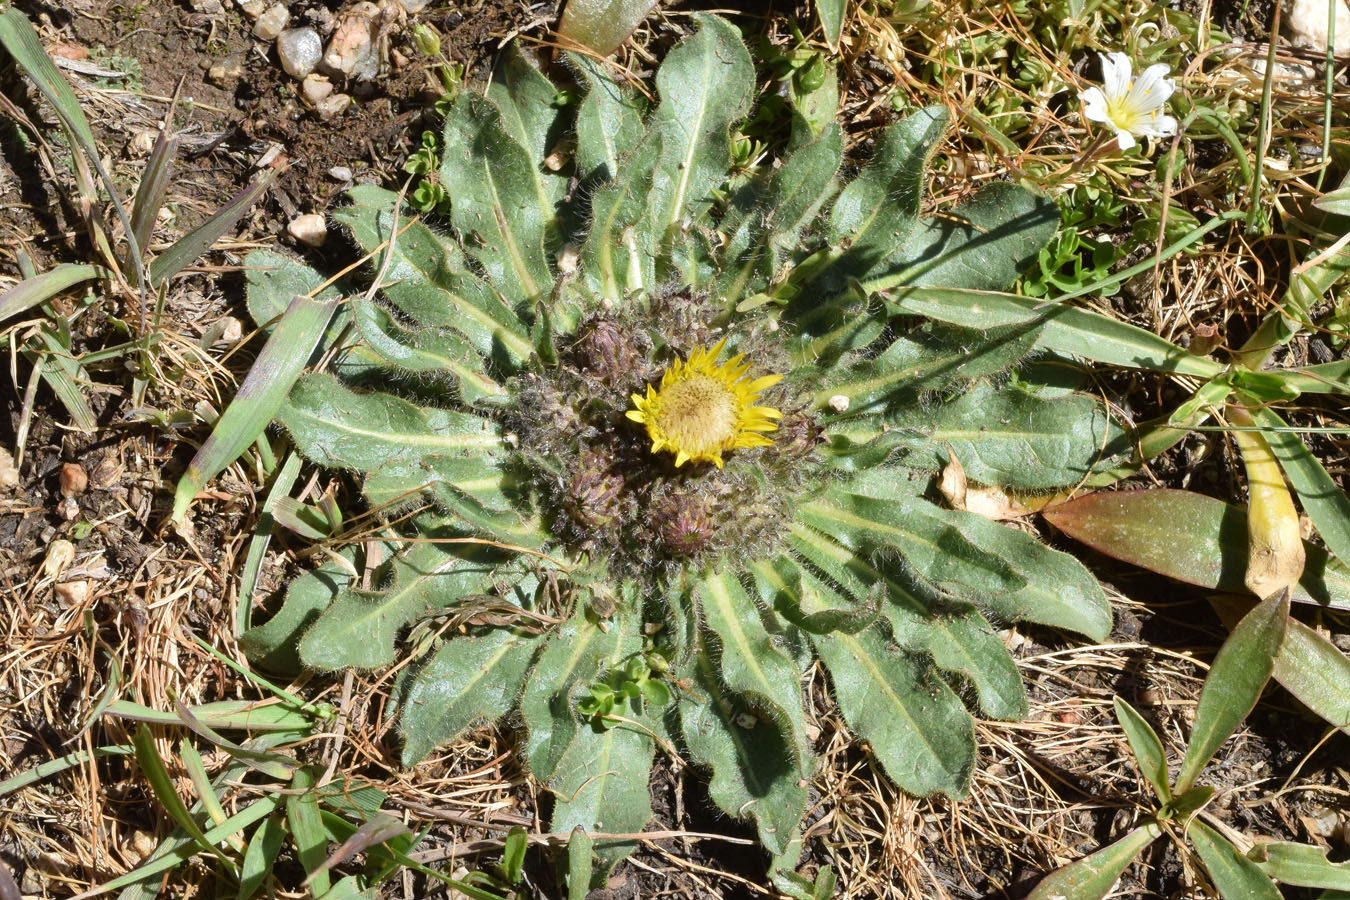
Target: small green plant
(123, 270)
(1236, 868)
(659, 443)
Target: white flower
(1132, 106)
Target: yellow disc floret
(703, 409)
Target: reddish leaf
(1186, 536)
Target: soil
(1047, 788)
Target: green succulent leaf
(1301, 865)
(470, 680)
(1234, 683)
(1187, 536)
(1146, 746)
(1093, 877)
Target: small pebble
(300, 50)
(252, 8)
(71, 593)
(60, 554)
(315, 88)
(1306, 24)
(413, 6)
(142, 143)
(351, 52)
(310, 229)
(332, 106)
(74, 480)
(340, 173)
(271, 23)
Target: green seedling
(1236, 867)
(124, 273)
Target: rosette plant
(648, 437)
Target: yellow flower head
(703, 409)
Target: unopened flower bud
(683, 523)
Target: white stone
(413, 6)
(310, 229)
(315, 88)
(271, 23)
(340, 173)
(299, 50)
(332, 106)
(1306, 23)
(351, 51)
(252, 8)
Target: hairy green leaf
(601, 781)
(335, 426)
(497, 199)
(609, 121)
(470, 679)
(575, 655)
(705, 86)
(750, 758)
(359, 627)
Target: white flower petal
(1094, 105)
(1116, 71)
(1151, 90)
(1125, 140)
(1160, 127)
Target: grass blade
(307, 833)
(153, 188)
(260, 856)
(260, 396)
(188, 248)
(60, 764)
(41, 288)
(233, 825)
(152, 765)
(21, 41)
